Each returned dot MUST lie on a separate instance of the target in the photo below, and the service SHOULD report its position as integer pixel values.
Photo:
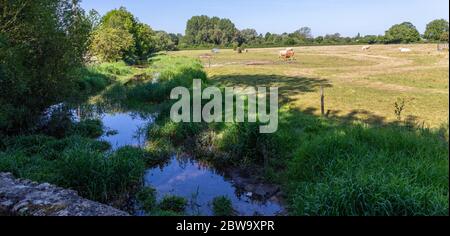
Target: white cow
(404, 49)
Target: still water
(181, 176)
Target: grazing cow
(404, 49)
(287, 54)
(365, 48)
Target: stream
(184, 176)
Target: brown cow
(287, 54)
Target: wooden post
(322, 101)
(209, 62)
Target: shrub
(222, 206)
(147, 198)
(173, 203)
(88, 128)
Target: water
(199, 183)
(127, 129)
(181, 176)
(122, 128)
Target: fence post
(322, 101)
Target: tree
(203, 30)
(41, 44)
(435, 29)
(249, 35)
(111, 44)
(164, 42)
(304, 33)
(444, 37)
(138, 43)
(402, 33)
(145, 43)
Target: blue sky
(347, 17)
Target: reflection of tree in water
(140, 135)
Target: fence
(442, 46)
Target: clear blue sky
(347, 17)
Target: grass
(358, 160)
(77, 163)
(222, 206)
(354, 79)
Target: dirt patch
(259, 63)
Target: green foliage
(173, 204)
(369, 171)
(402, 33)
(158, 151)
(41, 44)
(202, 30)
(222, 206)
(435, 29)
(444, 37)
(111, 44)
(147, 198)
(120, 36)
(77, 163)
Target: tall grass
(77, 163)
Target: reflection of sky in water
(182, 177)
(185, 178)
(130, 129)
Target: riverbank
(120, 150)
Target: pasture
(359, 84)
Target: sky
(347, 17)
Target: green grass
(222, 206)
(75, 162)
(355, 80)
(359, 160)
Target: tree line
(203, 31)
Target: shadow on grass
(288, 86)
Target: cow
(287, 54)
(365, 48)
(404, 49)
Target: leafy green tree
(120, 19)
(402, 33)
(435, 29)
(164, 42)
(41, 44)
(145, 43)
(111, 44)
(444, 37)
(139, 40)
(203, 30)
(304, 33)
(249, 35)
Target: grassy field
(361, 85)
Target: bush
(158, 151)
(88, 128)
(173, 203)
(222, 206)
(147, 198)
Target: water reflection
(199, 183)
(122, 128)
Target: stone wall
(27, 198)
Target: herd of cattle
(289, 53)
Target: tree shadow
(365, 116)
(288, 86)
